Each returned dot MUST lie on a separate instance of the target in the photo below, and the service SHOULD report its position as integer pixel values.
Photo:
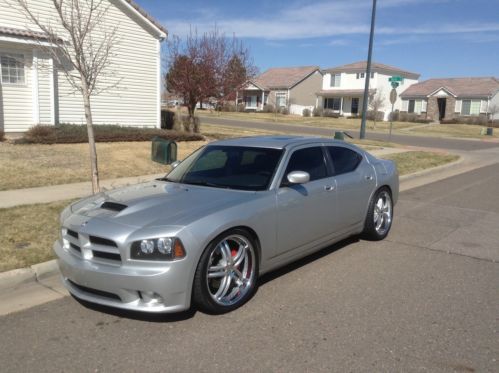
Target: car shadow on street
(306, 260)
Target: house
(34, 90)
(343, 87)
(438, 99)
(290, 87)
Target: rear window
(344, 160)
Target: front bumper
(161, 287)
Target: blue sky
(437, 38)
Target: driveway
(427, 142)
(425, 299)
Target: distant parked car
(231, 211)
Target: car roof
(275, 142)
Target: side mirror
(298, 177)
(175, 164)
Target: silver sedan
(228, 213)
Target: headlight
(164, 248)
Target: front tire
(379, 215)
(227, 273)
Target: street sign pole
(393, 99)
(368, 74)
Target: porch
(344, 102)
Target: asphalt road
(427, 142)
(425, 299)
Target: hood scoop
(113, 206)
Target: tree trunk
(191, 109)
(91, 142)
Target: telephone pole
(368, 74)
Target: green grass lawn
(414, 161)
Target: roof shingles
(459, 87)
(283, 77)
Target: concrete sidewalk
(53, 193)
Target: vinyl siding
(304, 93)
(134, 102)
(16, 112)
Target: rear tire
(379, 215)
(227, 273)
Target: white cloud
(301, 20)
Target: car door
(355, 182)
(305, 212)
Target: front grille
(105, 255)
(75, 247)
(100, 293)
(102, 241)
(92, 247)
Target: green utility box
(338, 135)
(163, 151)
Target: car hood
(159, 203)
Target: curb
(16, 277)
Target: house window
(411, 106)
(12, 67)
(333, 103)
(280, 99)
(335, 80)
(372, 75)
(470, 107)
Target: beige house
(290, 87)
(438, 99)
(33, 90)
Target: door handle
(369, 177)
(329, 188)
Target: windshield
(234, 167)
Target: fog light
(147, 246)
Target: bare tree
(206, 66)
(82, 48)
(376, 102)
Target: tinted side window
(310, 160)
(344, 159)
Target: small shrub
(330, 114)
(318, 112)
(241, 107)
(72, 134)
(2, 135)
(283, 110)
(407, 117)
(372, 115)
(422, 120)
(306, 112)
(394, 116)
(268, 108)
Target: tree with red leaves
(206, 66)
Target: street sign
(395, 84)
(396, 78)
(393, 96)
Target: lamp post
(368, 74)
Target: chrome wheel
(231, 270)
(382, 213)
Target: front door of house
(355, 105)
(442, 103)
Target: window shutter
(424, 105)
(458, 106)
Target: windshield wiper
(206, 183)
